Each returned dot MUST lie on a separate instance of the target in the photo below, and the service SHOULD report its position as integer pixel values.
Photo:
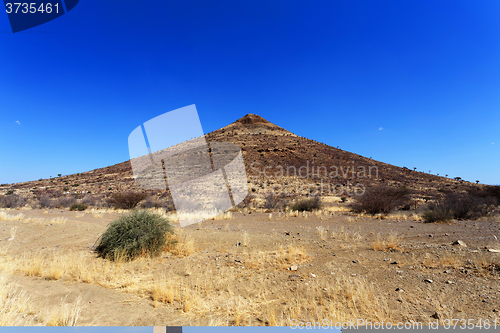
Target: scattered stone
(312, 275)
(394, 263)
(293, 268)
(459, 242)
(431, 235)
(399, 272)
(446, 234)
(428, 280)
(436, 315)
(355, 261)
(353, 274)
(450, 282)
(400, 290)
(447, 271)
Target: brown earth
(241, 253)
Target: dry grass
(322, 233)
(16, 308)
(7, 217)
(184, 244)
(215, 296)
(392, 243)
(66, 314)
(246, 239)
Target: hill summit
(273, 156)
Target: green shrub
(78, 207)
(308, 204)
(137, 233)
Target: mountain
(290, 162)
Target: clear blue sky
(411, 83)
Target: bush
(64, 202)
(45, 201)
(380, 200)
(12, 201)
(126, 200)
(154, 202)
(134, 234)
(460, 206)
(308, 204)
(78, 207)
(437, 212)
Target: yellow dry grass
(392, 243)
(21, 217)
(16, 308)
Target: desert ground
(251, 268)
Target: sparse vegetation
(126, 200)
(78, 207)
(458, 206)
(380, 200)
(307, 204)
(139, 233)
(12, 201)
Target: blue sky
(413, 84)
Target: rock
(446, 234)
(428, 280)
(493, 250)
(400, 290)
(431, 235)
(294, 268)
(450, 282)
(355, 261)
(294, 277)
(459, 242)
(394, 263)
(312, 275)
(436, 315)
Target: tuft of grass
(135, 234)
(392, 243)
(66, 315)
(246, 239)
(322, 232)
(180, 244)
